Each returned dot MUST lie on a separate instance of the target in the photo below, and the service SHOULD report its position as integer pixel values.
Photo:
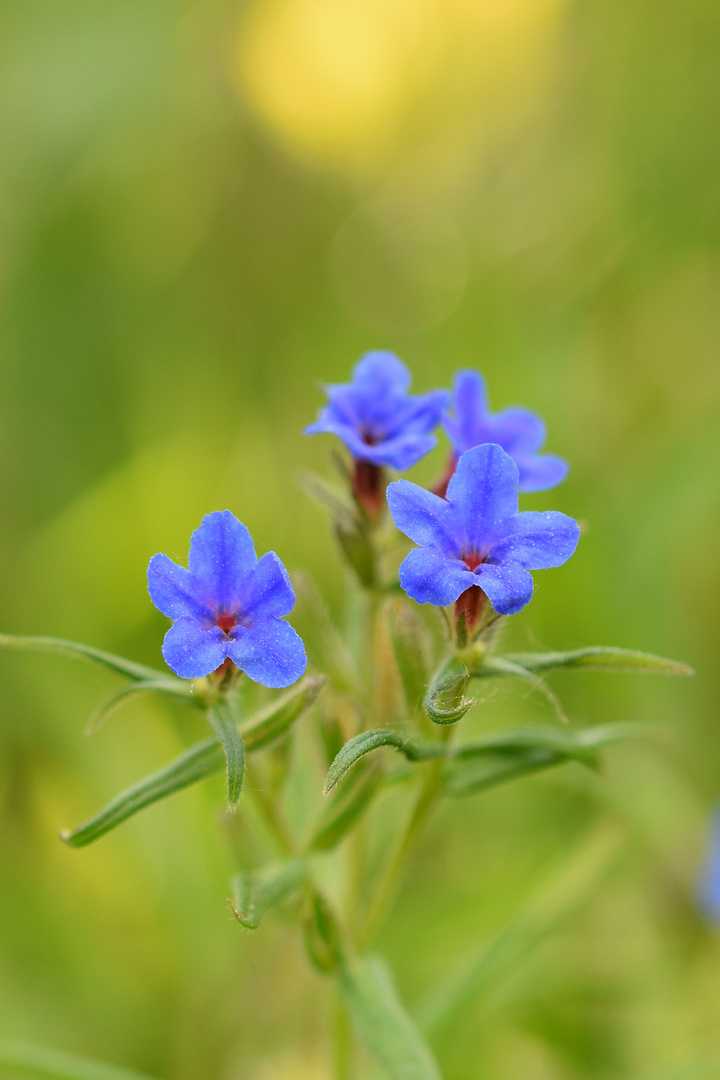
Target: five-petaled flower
(228, 605)
(382, 425)
(476, 537)
(520, 432)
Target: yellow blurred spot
(351, 81)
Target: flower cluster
(473, 542)
(228, 607)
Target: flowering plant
(475, 550)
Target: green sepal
(223, 724)
(339, 816)
(273, 722)
(84, 652)
(255, 892)
(176, 688)
(444, 701)
(517, 752)
(592, 658)
(411, 647)
(195, 764)
(357, 546)
(18, 1057)
(366, 741)
(323, 938)
(382, 1022)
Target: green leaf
(274, 721)
(224, 726)
(339, 816)
(504, 666)
(382, 1021)
(594, 658)
(56, 1065)
(195, 764)
(507, 755)
(177, 688)
(444, 701)
(323, 936)
(255, 892)
(366, 741)
(571, 884)
(411, 648)
(84, 652)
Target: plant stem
(273, 820)
(428, 796)
(342, 1048)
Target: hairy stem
(428, 797)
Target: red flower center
(472, 560)
(226, 623)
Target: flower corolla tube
(228, 605)
(375, 416)
(520, 432)
(476, 537)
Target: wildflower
(227, 606)
(380, 423)
(520, 433)
(475, 543)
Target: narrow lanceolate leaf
(174, 688)
(18, 1057)
(224, 726)
(411, 648)
(382, 1022)
(444, 701)
(595, 658)
(366, 741)
(344, 810)
(254, 893)
(504, 666)
(195, 764)
(570, 885)
(83, 652)
(508, 755)
(274, 721)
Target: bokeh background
(208, 208)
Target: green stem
(271, 816)
(428, 797)
(342, 1046)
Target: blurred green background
(208, 208)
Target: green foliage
(223, 724)
(26, 1059)
(382, 1021)
(257, 891)
(444, 701)
(599, 657)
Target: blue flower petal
(423, 517)
(421, 414)
(541, 472)
(173, 590)
(221, 556)
(466, 428)
(192, 651)
(382, 373)
(484, 493)
(269, 652)
(537, 540)
(430, 577)
(519, 431)
(509, 586)
(267, 590)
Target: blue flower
(520, 433)
(228, 605)
(376, 418)
(476, 536)
(708, 889)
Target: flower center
(226, 622)
(472, 560)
